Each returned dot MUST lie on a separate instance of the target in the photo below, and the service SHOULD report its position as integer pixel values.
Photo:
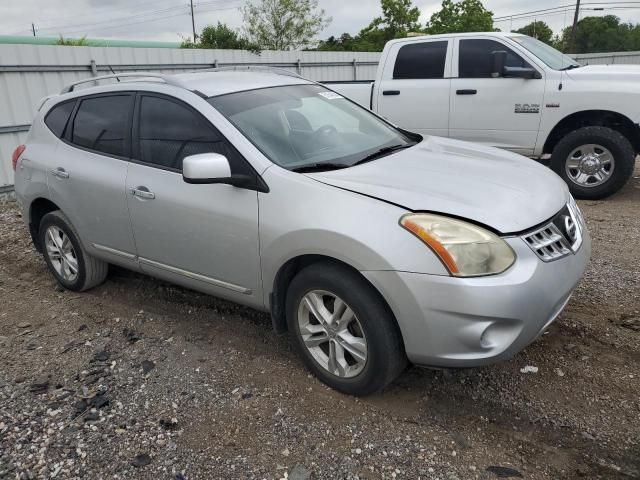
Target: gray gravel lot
(140, 379)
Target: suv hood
(605, 72)
(499, 189)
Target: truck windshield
(549, 55)
(307, 127)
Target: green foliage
(600, 34)
(73, 42)
(539, 30)
(399, 17)
(283, 24)
(220, 36)
(464, 16)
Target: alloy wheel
(61, 253)
(332, 333)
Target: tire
(573, 151)
(372, 323)
(57, 234)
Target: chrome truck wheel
(590, 165)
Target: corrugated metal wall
(30, 72)
(608, 58)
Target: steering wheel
(326, 130)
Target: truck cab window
(423, 60)
(475, 59)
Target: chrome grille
(548, 243)
(561, 236)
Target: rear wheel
(594, 161)
(343, 330)
(69, 262)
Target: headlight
(465, 249)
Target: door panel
(202, 236)
(501, 112)
(89, 185)
(414, 90)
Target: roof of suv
(222, 82)
(205, 83)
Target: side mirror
(499, 60)
(521, 72)
(209, 168)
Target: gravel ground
(140, 379)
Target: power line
(514, 16)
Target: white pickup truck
(514, 92)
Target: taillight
(16, 156)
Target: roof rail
(168, 79)
(248, 68)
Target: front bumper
(465, 322)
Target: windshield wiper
(571, 67)
(384, 151)
(319, 167)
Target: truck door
(414, 88)
(489, 109)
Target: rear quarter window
(58, 117)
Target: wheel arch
(38, 209)
(593, 118)
(286, 273)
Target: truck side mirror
(499, 61)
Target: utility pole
(573, 30)
(33, 29)
(193, 22)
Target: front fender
(301, 216)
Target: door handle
(139, 192)
(391, 92)
(466, 92)
(59, 173)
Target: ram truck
(514, 92)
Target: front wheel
(343, 330)
(595, 162)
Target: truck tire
(343, 330)
(595, 162)
(68, 261)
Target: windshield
(307, 126)
(549, 55)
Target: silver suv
(372, 246)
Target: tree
(539, 30)
(600, 34)
(283, 24)
(464, 16)
(219, 36)
(344, 43)
(399, 17)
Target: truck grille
(559, 237)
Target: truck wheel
(343, 330)
(70, 264)
(594, 161)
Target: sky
(169, 20)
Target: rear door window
(102, 124)
(424, 60)
(58, 117)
